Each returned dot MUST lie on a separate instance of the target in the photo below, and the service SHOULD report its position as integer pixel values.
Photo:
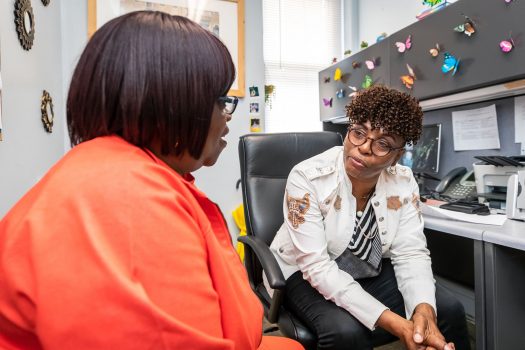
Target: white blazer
(319, 225)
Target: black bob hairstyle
(149, 77)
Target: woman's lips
(356, 162)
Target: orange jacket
(113, 249)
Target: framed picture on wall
(224, 18)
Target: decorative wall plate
(25, 23)
(45, 2)
(46, 109)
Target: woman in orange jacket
(115, 247)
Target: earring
(392, 170)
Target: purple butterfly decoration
(327, 102)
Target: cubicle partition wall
(482, 62)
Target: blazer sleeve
(304, 223)
(410, 256)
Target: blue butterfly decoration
(450, 63)
(340, 93)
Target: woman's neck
(362, 188)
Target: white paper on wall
(475, 129)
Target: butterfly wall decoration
(372, 63)
(326, 79)
(381, 37)
(367, 82)
(450, 64)
(356, 64)
(467, 27)
(327, 102)
(408, 80)
(507, 45)
(434, 52)
(431, 2)
(404, 46)
(364, 44)
(338, 74)
(340, 93)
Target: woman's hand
(400, 327)
(426, 333)
(419, 333)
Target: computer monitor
(424, 156)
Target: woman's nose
(366, 147)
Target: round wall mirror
(25, 23)
(46, 109)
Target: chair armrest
(269, 264)
(273, 273)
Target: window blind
(301, 37)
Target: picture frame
(223, 17)
(254, 107)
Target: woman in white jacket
(352, 246)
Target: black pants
(337, 329)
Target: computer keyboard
(469, 207)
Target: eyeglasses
(379, 147)
(228, 104)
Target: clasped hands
(420, 332)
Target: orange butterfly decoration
(408, 80)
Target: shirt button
(381, 219)
(384, 244)
(383, 233)
(376, 204)
(281, 250)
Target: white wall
(28, 150)
(377, 16)
(74, 39)
(218, 182)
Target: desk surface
(458, 228)
(510, 234)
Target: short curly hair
(391, 110)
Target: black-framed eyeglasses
(228, 103)
(379, 147)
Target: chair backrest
(266, 160)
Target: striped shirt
(362, 258)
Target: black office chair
(266, 161)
